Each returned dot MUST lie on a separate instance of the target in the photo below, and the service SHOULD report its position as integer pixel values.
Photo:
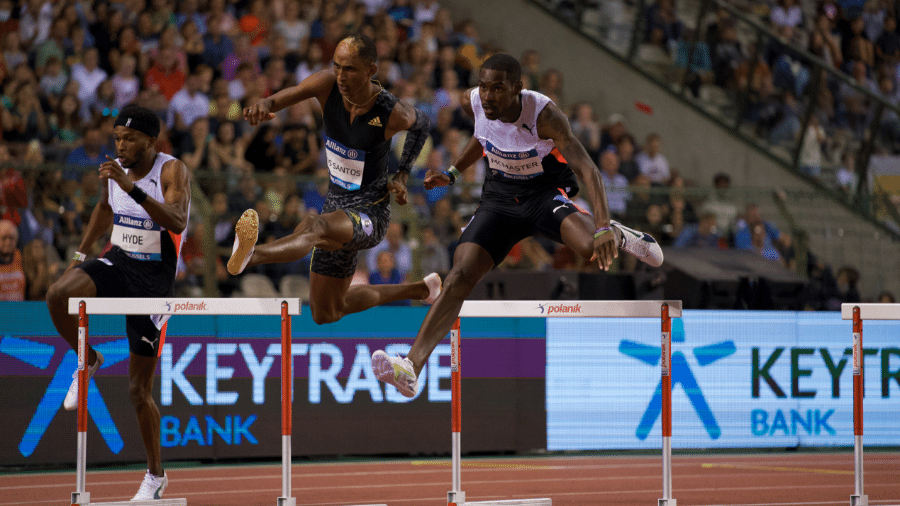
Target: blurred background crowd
(68, 66)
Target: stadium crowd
(68, 66)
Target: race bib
(345, 165)
(514, 164)
(139, 238)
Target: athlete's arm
(416, 124)
(101, 220)
(470, 154)
(552, 124)
(317, 86)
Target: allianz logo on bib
(128, 221)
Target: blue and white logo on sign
(40, 355)
(681, 374)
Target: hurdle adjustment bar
(858, 498)
(457, 497)
(149, 502)
(666, 382)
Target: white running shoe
(245, 234)
(395, 371)
(71, 400)
(639, 244)
(152, 487)
(433, 282)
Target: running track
(778, 479)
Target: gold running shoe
(245, 234)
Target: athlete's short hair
(139, 118)
(505, 63)
(365, 47)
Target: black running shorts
(498, 227)
(370, 211)
(117, 275)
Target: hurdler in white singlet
(133, 229)
(514, 150)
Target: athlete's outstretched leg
(328, 231)
(333, 298)
(471, 263)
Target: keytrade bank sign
(218, 388)
(739, 379)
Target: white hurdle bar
(184, 306)
(663, 309)
(858, 313)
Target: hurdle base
(149, 502)
(668, 502)
(80, 498)
(286, 501)
(544, 501)
(859, 500)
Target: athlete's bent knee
(321, 317)
(139, 394)
(458, 285)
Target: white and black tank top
(134, 232)
(519, 161)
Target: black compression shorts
(370, 213)
(498, 227)
(117, 275)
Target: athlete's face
(498, 95)
(131, 145)
(352, 73)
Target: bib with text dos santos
(356, 153)
(519, 160)
(134, 232)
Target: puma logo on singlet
(154, 182)
(526, 127)
(151, 343)
(375, 122)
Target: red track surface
(758, 480)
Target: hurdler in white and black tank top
(520, 163)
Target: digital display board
(740, 379)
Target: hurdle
(662, 309)
(858, 313)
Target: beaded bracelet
(601, 231)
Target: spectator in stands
(89, 155)
(88, 75)
(216, 44)
(26, 119)
(186, 107)
(194, 152)
(39, 272)
(886, 297)
(65, 122)
(786, 13)
(824, 43)
(854, 105)
(165, 74)
(586, 128)
(386, 273)
(435, 256)
(652, 163)
(552, 85)
(856, 46)
(625, 148)
(662, 26)
(12, 274)
(703, 234)
(12, 50)
(616, 184)
(396, 243)
(887, 45)
(754, 233)
(54, 46)
(226, 155)
(246, 196)
(126, 84)
(812, 148)
(846, 176)
(847, 285)
(721, 203)
(613, 131)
